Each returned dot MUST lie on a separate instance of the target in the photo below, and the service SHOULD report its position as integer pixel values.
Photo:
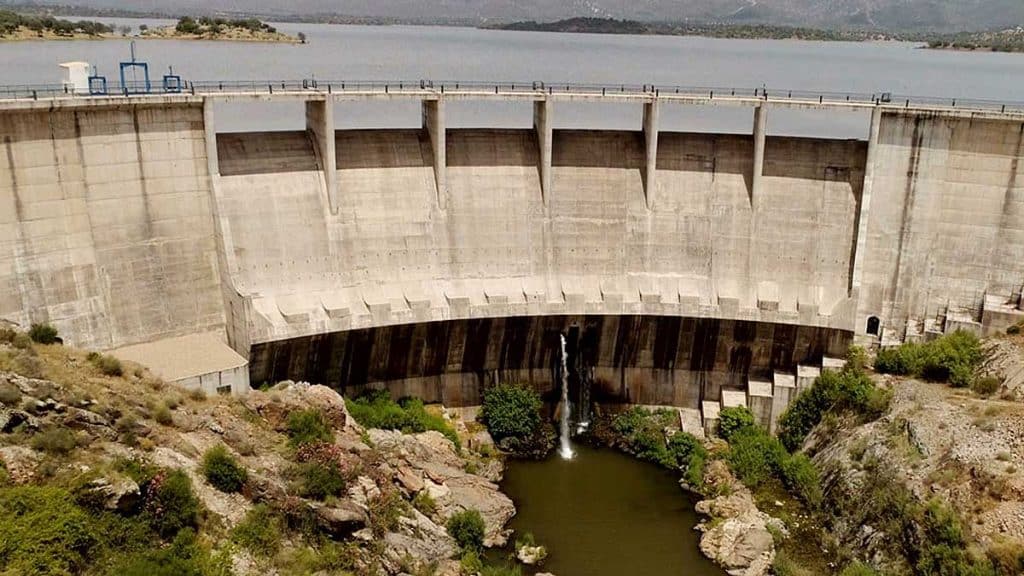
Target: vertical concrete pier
(320, 123)
(760, 126)
(783, 394)
(434, 124)
(650, 149)
(545, 133)
(210, 135)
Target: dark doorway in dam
(656, 360)
(873, 325)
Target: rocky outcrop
(340, 520)
(20, 463)
(135, 420)
(935, 442)
(736, 536)
(115, 494)
(428, 462)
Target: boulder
(11, 419)
(88, 421)
(341, 519)
(363, 490)
(20, 462)
(737, 538)
(419, 541)
(531, 555)
(410, 480)
(470, 491)
(117, 494)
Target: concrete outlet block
(836, 364)
(690, 422)
(711, 412)
(805, 376)
(733, 398)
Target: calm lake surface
(439, 53)
(606, 514)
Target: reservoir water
(603, 513)
(440, 53)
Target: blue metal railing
(529, 87)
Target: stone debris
(737, 535)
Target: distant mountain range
(932, 15)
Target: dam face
(438, 260)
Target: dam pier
(687, 269)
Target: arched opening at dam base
(698, 364)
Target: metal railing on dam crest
(527, 90)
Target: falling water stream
(565, 449)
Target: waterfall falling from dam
(564, 447)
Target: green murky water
(605, 513)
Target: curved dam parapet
(130, 219)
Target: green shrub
(470, 562)
(22, 341)
(43, 531)
(849, 389)
(903, 360)
(308, 427)
(7, 334)
(511, 411)
(641, 432)
(186, 556)
(801, 478)
(385, 510)
(416, 411)
(467, 528)
(858, 569)
(1012, 330)
(187, 25)
(54, 441)
(259, 532)
(695, 471)
(783, 565)
(684, 448)
(162, 415)
(986, 386)
(376, 409)
(43, 333)
(501, 571)
(951, 358)
(425, 503)
(9, 394)
(321, 480)
(108, 365)
(1007, 556)
(170, 503)
(223, 471)
(755, 456)
(734, 419)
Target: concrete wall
(945, 222)
(105, 226)
(491, 244)
(646, 360)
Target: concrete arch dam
(437, 260)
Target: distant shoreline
(998, 41)
(15, 27)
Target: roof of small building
(183, 357)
